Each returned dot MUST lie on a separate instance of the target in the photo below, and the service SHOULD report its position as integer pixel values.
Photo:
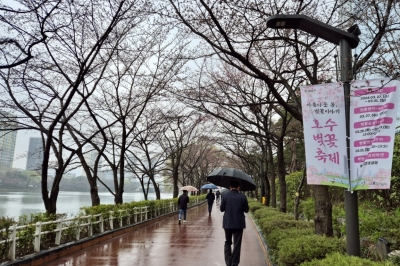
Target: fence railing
(69, 230)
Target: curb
(262, 240)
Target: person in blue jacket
(234, 205)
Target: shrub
(339, 259)
(5, 224)
(293, 251)
(268, 212)
(276, 236)
(255, 205)
(307, 208)
(292, 183)
(338, 220)
(269, 226)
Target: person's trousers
(182, 211)
(210, 204)
(232, 257)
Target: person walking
(234, 205)
(217, 196)
(183, 201)
(210, 198)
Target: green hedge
(292, 242)
(276, 236)
(255, 205)
(296, 250)
(270, 214)
(269, 226)
(338, 259)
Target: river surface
(14, 204)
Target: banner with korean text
(373, 112)
(324, 134)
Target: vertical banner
(373, 112)
(324, 134)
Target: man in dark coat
(210, 199)
(217, 195)
(234, 205)
(183, 201)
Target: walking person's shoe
(179, 221)
(184, 221)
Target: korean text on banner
(325, 134)
(373, 112)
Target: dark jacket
(210, 197)
(183, 200)
(234, 205)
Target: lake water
(14, 204)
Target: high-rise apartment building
(35, 154)
(7, 140)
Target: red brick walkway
(199, 242)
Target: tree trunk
(92, 180)
(117, 188)
(323, 211)
(175, 182)
(156, 189)
(267, 189)
(94, 194)
(271, 173)
(118, 197)
(281, 176)
(297, 199)
(53, 200)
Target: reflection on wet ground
(198, 242)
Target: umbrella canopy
(223, 177)
(209, 186)
(189, 188)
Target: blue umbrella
(209, 186)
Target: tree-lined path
(198, 242)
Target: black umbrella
(223, 176)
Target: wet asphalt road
(199, 242)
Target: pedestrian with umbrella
(210, 199)
(183, 201)
(234, 205)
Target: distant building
(7, 140)
(35, 154)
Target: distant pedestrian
(210, 198)
(217, 196)
(234, 205)
(183, 201)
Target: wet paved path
(199, 242)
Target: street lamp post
(346, 41)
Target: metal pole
(350, 197)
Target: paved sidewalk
(198, 242)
